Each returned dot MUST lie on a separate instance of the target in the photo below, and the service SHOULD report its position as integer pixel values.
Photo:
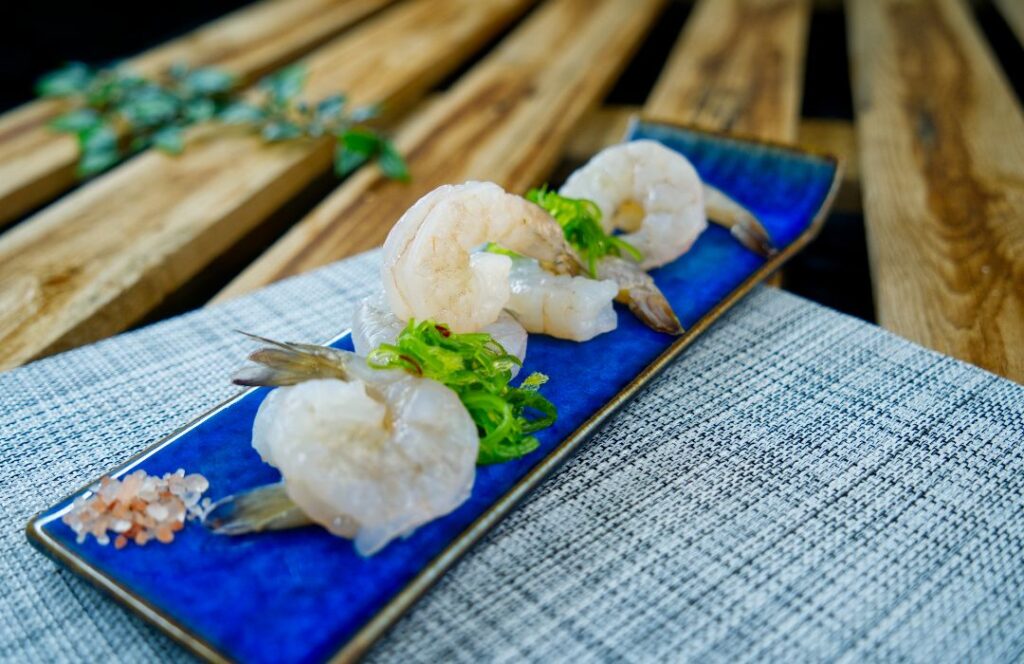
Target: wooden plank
(100, 258)
(37, 164)
(738, 66)
(506, 121)
(1013, 12)
(942, 153)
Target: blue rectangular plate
(304, 595)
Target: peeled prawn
(374, 324)
(432, 269)
(368, 454)
(655, 196)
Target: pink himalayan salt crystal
(139, 508)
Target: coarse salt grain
(139, 508)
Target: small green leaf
(170, 140)
(360, 141)
(96, 161)
(285, 84)
(150, 107)
(200, 110)
(391, 162)
(346, 161)
(101, 137)
(355, 147)
(73, 78)
(209, 81)
(99, 150)
(330, 107)
(241, 113)
(76, 121)
(280, 130)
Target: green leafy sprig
(479, 370)
(581, 221)
(280, 116)
(117, 113)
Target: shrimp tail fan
(263, 508)
(655, 312)
(284, 363)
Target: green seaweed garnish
(581, 221)
(479, 370)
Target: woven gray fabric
(798, 486)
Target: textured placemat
(798, 485)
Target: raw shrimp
(430, 268)
(374, 324)
(655, 196)
(368, 454)
(566, 307)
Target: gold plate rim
(412, 591)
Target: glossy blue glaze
(300, 595)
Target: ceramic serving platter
(303, 595)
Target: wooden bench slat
(738, 66)
(96, 261)
(1013, 12)
(942, 159)
(37, 164)
(506, 121)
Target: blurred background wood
(37, 164)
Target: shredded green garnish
(495, 248)
(479, 370)
(581, 221)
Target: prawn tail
(263, 508)
(741, 222)
(651, 307)
(283, 363)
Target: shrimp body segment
(563, 306)
(650, 192)
(431, 271)
(368, 454)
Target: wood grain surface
(37, 164)
(738, 66)
(100, 258)
(942, 159)
(506, 121)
